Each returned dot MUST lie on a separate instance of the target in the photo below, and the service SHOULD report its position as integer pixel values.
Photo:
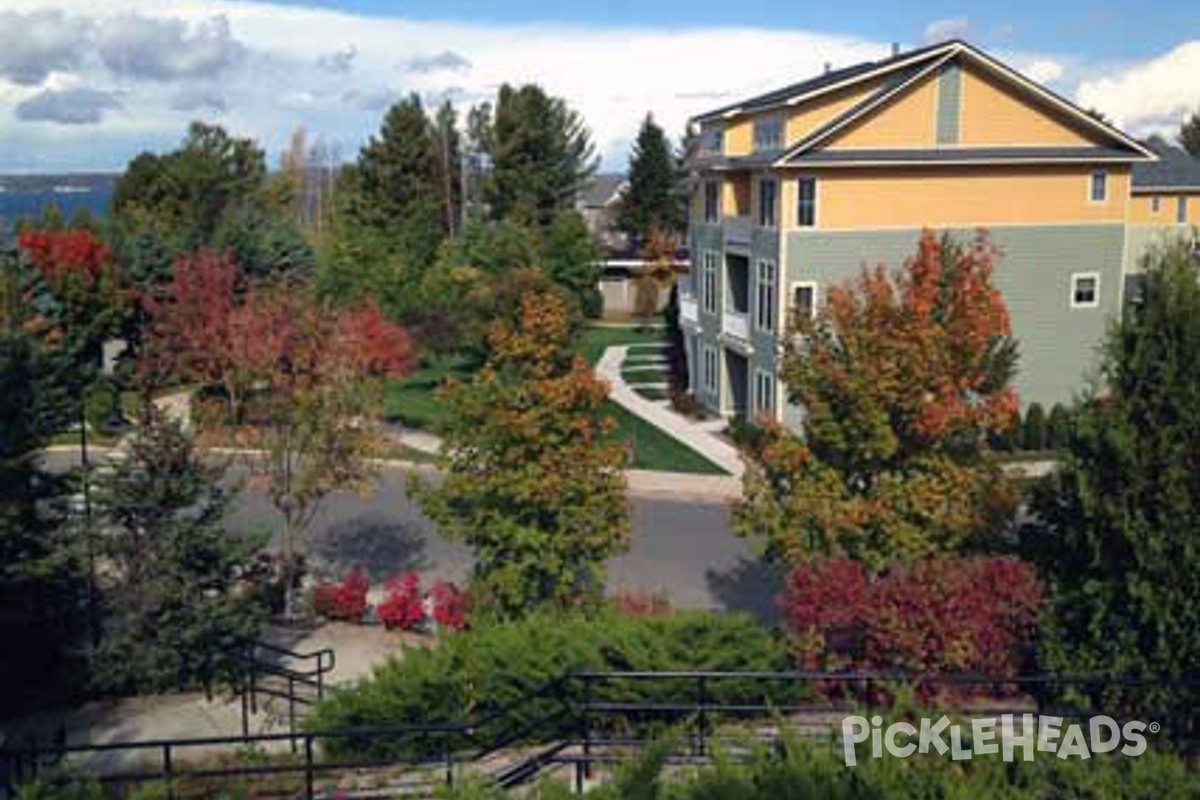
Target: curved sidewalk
(697, 435)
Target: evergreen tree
(400, 178)
(541, 153)
(1189, 135)
(449, 149)
(533, 478)
(571, 260)
(171, 597)
(1121, 516)
(655, 198)
(1034, 435)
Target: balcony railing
(737, 231)
(689, 309)
(736, 324)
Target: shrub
(468, 676)
(928, 617)
(450, 606)
(641, 604)
(1034, 437)
(403, 607)
(346, 600)
(1058, 427)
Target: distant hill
(62, 182)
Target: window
(1155, 204)
(712, 141)
(1099, 187)
(766, 203)
(806, 207)
(1085, 290)
(1181, 210)
(804, 299)
(708, 282)
(712, 201)
(708, 376)
(764, 296)
(764, 392)
(768, 134)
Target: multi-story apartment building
(800, 188)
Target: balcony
(736, 325)
(737, 231)
(689, 309)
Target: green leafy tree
(533, 478)
(1058, 427)
(541, 153)
(171, 597)
(655, 199)
(1189, 134)
(1121, 516)
(1033, 436)
(902, 377)
(571, 260)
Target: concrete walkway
(699, 436)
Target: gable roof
(1174, 169)
(909, 68)
(601, 190)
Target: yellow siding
(739, 137)
(961, 196)
(1141, 209)
(909, 121)
(811, 115)
(995, 114)
(735, 196)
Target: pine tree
(170, 600)
(541, 153)
(1121, 516)
(571, 260)
(533, 477)
(655, 198)
(1189, 135)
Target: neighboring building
(800, 188)
(598, 201)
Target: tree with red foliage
(346, 600)
(902, 378)
(925, 618)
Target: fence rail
(587, 714)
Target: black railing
(579, 720)
(251, 667)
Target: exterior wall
(1057, 343)
(813, 114)
(706, 237)
(995, 115)
(1141, 208)
(949, 104)
(864, 198)
(735, 195)
(907, 121)
(620, 296)
(1141, 238)
(739, 137)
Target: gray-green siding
(1145, 237)
(1058, 344)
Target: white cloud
(78, 106)
(1150, 96)
(272, 67)
(942, 29)
(1045, 70)
(33, 45)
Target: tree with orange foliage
(533, 479)
(902, 377)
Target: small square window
(764, 392)
(1085, 290)
(1099, 187)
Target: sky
(88, 84)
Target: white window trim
(710, 291)
(1090, 179)
(1075, 278)
(764, 389)
(816, 223)
(816, 294)
(771, 119)
(710, 379)
(758, 295)
(774, 210)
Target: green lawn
(595, 340)
(654, 449)
(413, 401)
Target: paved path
(699, 436)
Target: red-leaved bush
(346, 600)
(641, 604)
(450, 605)
(403, 607)
(924, 618)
